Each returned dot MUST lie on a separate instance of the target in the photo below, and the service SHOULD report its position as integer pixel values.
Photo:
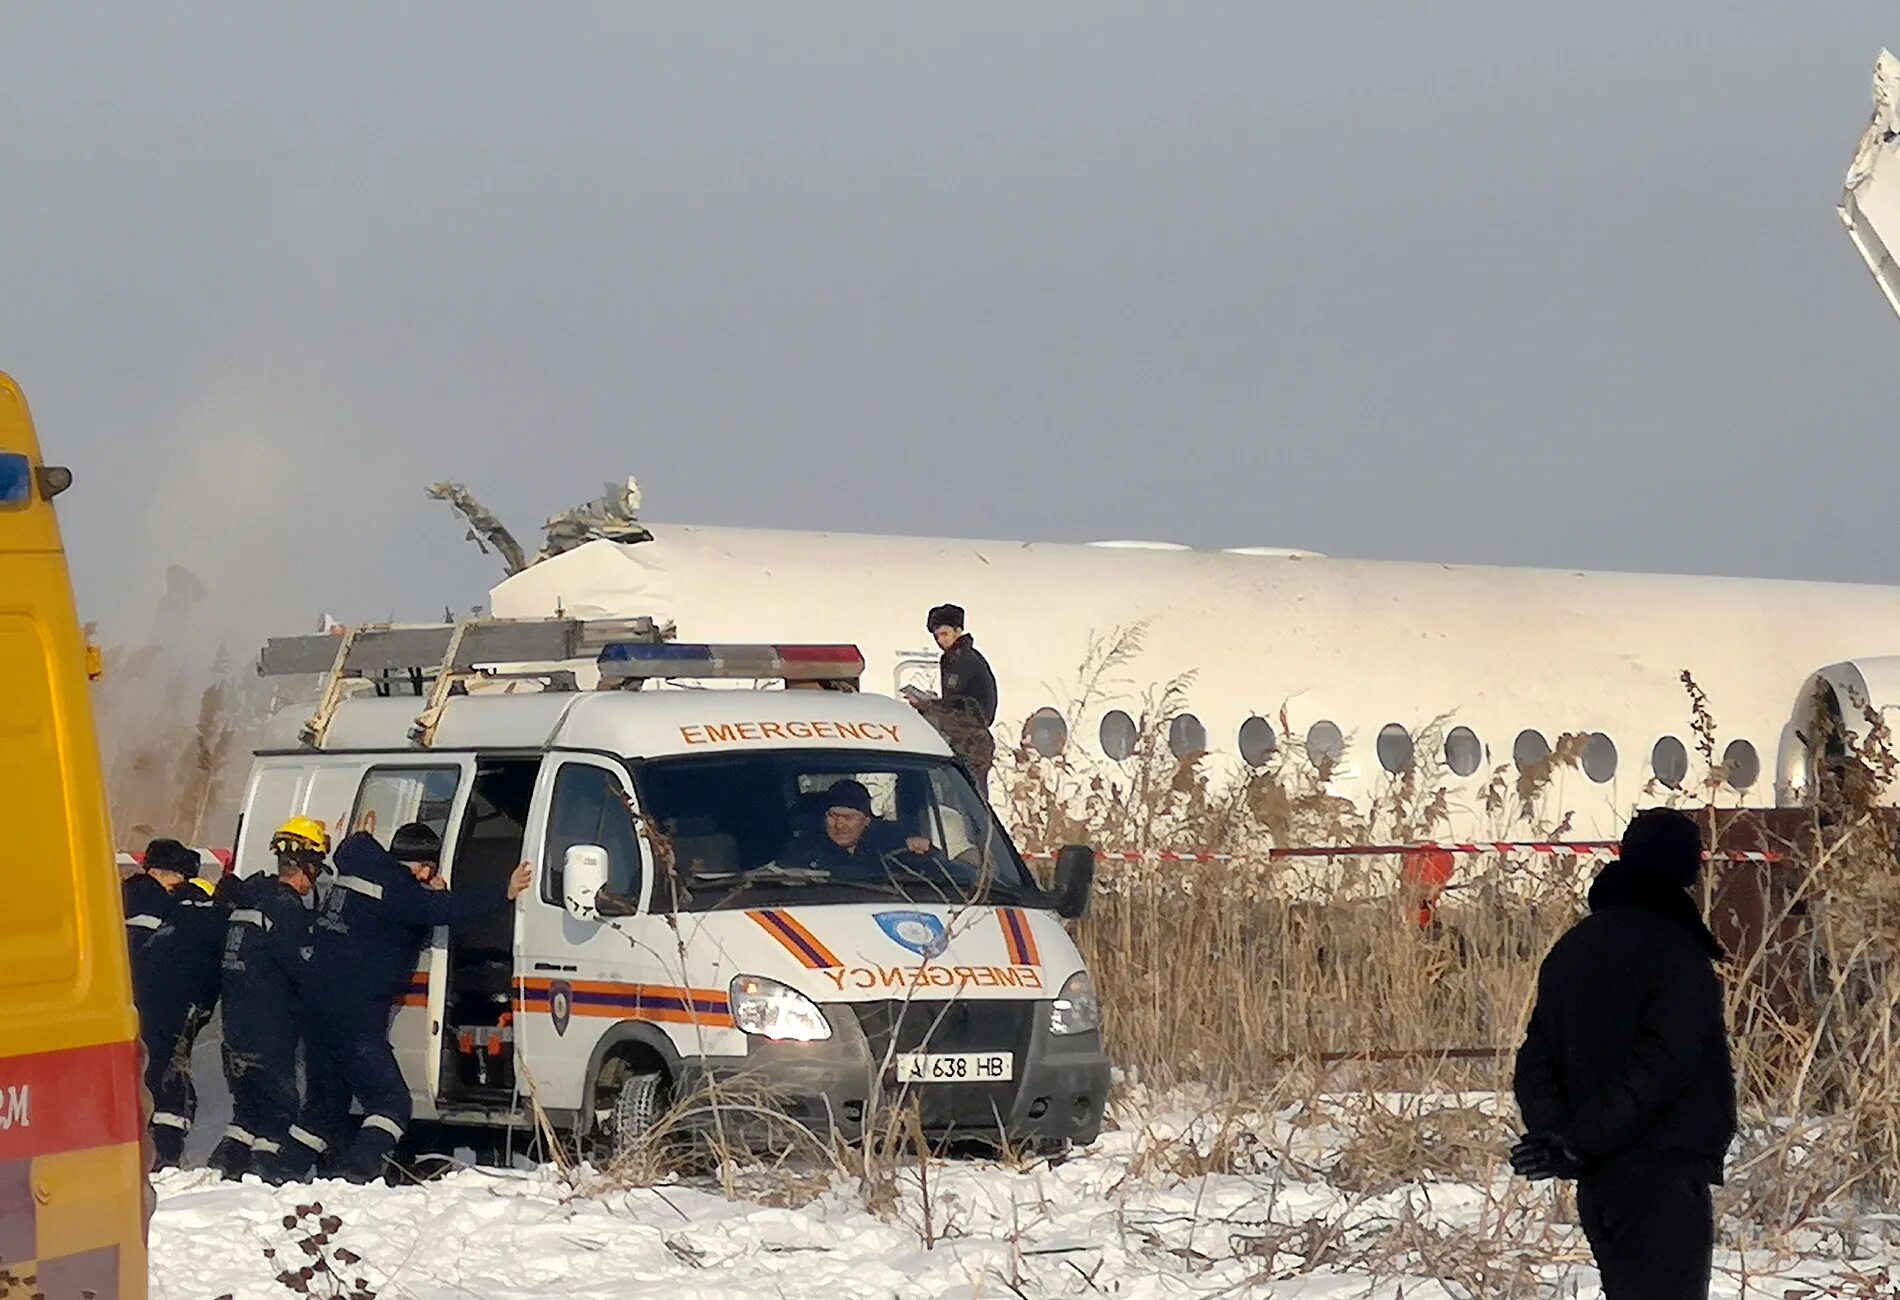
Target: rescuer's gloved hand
(1545, 1155)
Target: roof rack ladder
(319, 724)
(447, 676)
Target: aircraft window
(1118, 735)
(1530, 748)
(1186, 736)
(1324, 743)
(1046, 732)
(1599, 758)
(1743, 764)
(1258, 742)
(1670, 762)
(1463, 751)
(1395, 748)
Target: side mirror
(1075, 881)
(583, 876)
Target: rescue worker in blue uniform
(363, 951)
(264, 953)
(175, 979)
(149, 892)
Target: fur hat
(1664, 842)
(170, 855)
(849, 794)
(945, 616)
(415, 843)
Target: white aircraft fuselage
(1296, 639)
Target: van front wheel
(638, 1107)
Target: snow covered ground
(1139, 1215)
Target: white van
(694, 912)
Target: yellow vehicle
(74, 1198)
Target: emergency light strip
(16, 479)
(631, 660)
(1579, 848)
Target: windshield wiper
(771, 871)
(939, 871)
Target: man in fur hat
(967, 709)
(1624, 1078)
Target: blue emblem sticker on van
(561, 1005)
(920, 932)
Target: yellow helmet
(301, 835)
(209, 886)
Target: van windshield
(839, 823)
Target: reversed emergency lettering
(868, 978)
(727, 733)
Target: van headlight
(769, 1009)
(1075, 1010)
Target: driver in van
(363, 951)
(853, 834)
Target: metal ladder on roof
(436, 660)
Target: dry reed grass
(1322, 981)
(1262, 981)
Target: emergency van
(701, 908)
(74, 1199)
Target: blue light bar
(630, 660)
(17, 487)
(635, 652)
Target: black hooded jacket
(363, 945)
(146, 903)
(176, 971)
(1627, 1051)
(264, 949)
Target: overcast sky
(1478, 282)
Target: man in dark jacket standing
(175, 986)
(264, 950)
(1624, 1078)
(148, 893)
(363, 951)
(968, 707)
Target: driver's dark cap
(950, 616)
(415, 842)
(848, 794)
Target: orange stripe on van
(609, 1000)
(416, 994)
(796, 939)
(1018, 937)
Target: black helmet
(415, 842)
(170, 855)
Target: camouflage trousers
(968, 738)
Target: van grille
(973, 1109)
(956, 1026)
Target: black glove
(1546, 1155)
